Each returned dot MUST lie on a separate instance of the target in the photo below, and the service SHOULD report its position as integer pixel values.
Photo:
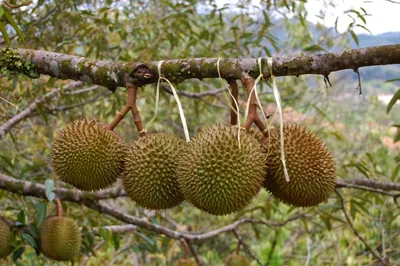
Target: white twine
(178, 102)
(254, 89)
(279, 107)
(157, 96)
(229, 102)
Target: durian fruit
(310, 166)
(87, 155)
(184, 262)
(5, 240)
(237, 260)
(218, 177)
(60, 238)
(150, 171)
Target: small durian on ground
(310, 166)
(184, 262)
(150, 171)
(87, 155)
(60, 238)
(217, 176)
(237, 260)
(5, 239)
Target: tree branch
(368, 183)
(27, 188)
(111, 74)
(246, 247)
(38, 190)
(6, 127)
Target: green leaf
(1, 11)
(41, 209)
(34, 230)
(18, 253)
(354, 35)
(392, 80)
(314, 48)
(116, 240)
(21, 217)
(394, 99)
(395, 172)
(31, 241)
(5, 34)
(13, 23)
(49, 189)
(397, 136)
(327, 221)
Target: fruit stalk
(59, 207)
(132, 93)
(119, 117)
(235, 93)
(248, 83)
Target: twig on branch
(375, 190)
(88, 89)
(346, 215)
(368, 183)
(246, 247)
(38, 190)
(126, 228)
(66, 66)
(91, 100)
(6, 127)
(196, 256)
(195, 95)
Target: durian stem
(132, 93)
(185, 249)
(237, 248)
(59, 207)
(235, 93)
(248, 83)
(119, 117)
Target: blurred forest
(357, 129)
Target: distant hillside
(367, 40)
(376, 76)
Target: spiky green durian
(236, 260)
(60, 238)
(5, 240)
(310, 166)
(184, 262)
(217, 176)
(87, 155)
(150, 171)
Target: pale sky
(385, 16)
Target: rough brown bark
(111, 74)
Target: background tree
(358, 225)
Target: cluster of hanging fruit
(218, 171)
